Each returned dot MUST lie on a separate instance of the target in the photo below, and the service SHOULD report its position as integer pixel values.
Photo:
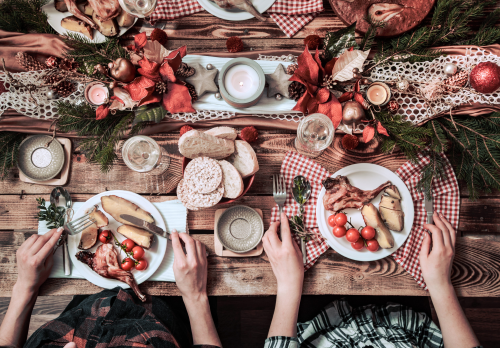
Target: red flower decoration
(149, 69)
(369, 131)
(312, 41)
(140, 40)
(102, 112)
(140, 88)
(234, 44)
(249, 134)
(177, 99)
(185, 129)
(159, 35)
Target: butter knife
(146, 225)
(430, 209)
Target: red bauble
(185, 129)
(312, 41)
(249, 134)
(234, 44)
(350, 142)
(485, 77)
(159, 35)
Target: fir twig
(370, 34)
(24, 16)
(9, 146)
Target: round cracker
(182, 197)
(203, 174)
(200, 200)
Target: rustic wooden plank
(476, 272)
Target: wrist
(442, 291)
(197, 301)
(24, 292)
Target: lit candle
(97, 93)
(377, 94)
(241, 81)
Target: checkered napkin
(173, 9)
(446, 196)
(293, 15)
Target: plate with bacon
(365, 212)
(94, 252)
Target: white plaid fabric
(173, 9)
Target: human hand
(35, 260)
(436, 263)
(190, 268)
(285, 257)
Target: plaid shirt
(112, 318)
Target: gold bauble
(352, 113)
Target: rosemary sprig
(52, 214)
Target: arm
(34, 263)
(286, 261)
(190, 272)
(436, 269)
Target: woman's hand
(436, 263)
(190, 268)
(285, 257)
(35, 260)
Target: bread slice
(195, 144)
(233, 183)
(223, 132)
(244, 159)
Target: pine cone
(63, 89)
(459, 80)
(192, 92)
(185, 70)
(161, 87)
(291, 69)
(296, 90)
(29, 62)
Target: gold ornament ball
(365, 81)
(352, 113)
(355, 70)
(122, 69)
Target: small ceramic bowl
(240, 229)
(37, 162)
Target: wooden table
(476, 271)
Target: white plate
(366, 176)
(235, 14)
(54, 18)
(154, 255)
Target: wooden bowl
(247, 183)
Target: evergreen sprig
(9, 146)
(53, 215)
(370, 34)
(24, 16)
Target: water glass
(314, 134)
(143, 154)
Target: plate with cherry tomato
(346, 231)
(142, 262)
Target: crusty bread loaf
(195, 144)
(244, 159)
(223, 132)
(233, 183)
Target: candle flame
(241, 83)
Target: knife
(430, 209)
(146, 225)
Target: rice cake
(199, 200)
(203, 175)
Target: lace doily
(417, 110)
(289, 58)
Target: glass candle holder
(138, 8)
(143, 154)
(314, 134)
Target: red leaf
(177, 99)
(318, 61)
(149, 69)
(138, 89)
(332, 109)
(323, 95)
(302, 103)
(345, 97)
(167, 73)
(356, 86)
(133, 48)
(329, 66)
(182, 50)
(101, 112)
(153, 98)
(308, 69)
(311, 89)
(140, 40)
(359, 98)
(381, 129)
(368, 133)
(312, 106)
(116, 98)
(174, 62)
(351, 49)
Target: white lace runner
(414, 108)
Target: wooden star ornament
(203, 80)
(278, 82)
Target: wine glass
(138, 8)
(143, 154)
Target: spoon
(301, 191)
(54, 199)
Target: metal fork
(78, 225)
(279, 193)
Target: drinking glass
(138, 8)
(143, 154)
(314, 134)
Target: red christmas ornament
(393, 106)
(51, 62)
(350, 142)
(485, 77)
(312, 41)
(159, 35)
(185, 129)
(249, 134)
(234, 44)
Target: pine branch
(24, 16)
(370, 34)
(9, 146)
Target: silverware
(430, 209)
(146, 225)
(301, 193)
(279, 193)
(54, 199)
(77, 226)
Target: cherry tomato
(128, 244)
(105, 236)
(372, 245)
(141, 265)
(127, 264)
(339, 231)
(340, 219)
(359, 244)
(352, 235)
(138, 252)
(331, 221)
(368, 233)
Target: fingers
(177, 246)
(189, 244)
(426, 247)
(48, 248)
(451, 230)
(201, 251)
(440, 224)
(286, 235)
(49, 261)
(272, 235)
(437, 235)
(29, 242)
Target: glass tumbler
(143, 154)
(314, 134)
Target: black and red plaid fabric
(115, 318)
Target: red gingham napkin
(172, 9)
(293, 15)
(445, 193)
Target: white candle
(97, 94)
(241, 81)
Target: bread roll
(223, 132)
(195, 144)
(244, 159)
(233, 183)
